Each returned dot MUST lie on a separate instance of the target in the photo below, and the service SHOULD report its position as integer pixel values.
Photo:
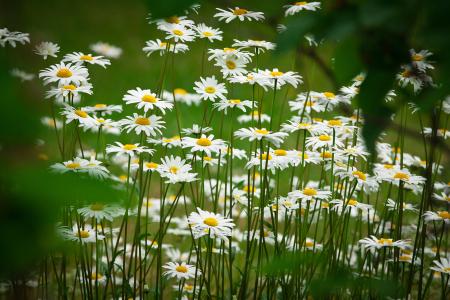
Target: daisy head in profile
(373, 242)
(180, 270)
(239, 13)
(46, 49)
(253, 133)
(84, 235)
(207, 223)
(127, 149)
(80, 58)
(297, 7)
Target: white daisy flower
(296, 7)
(84, 235)
(13, 37)
(99, 211)
(209, 88)
(230, 53)
(260, 45)
(322, 141)
(196, 129)
(231, 66)
(163, 24)
(80, 115)
(206, 32)
(419, 59)
(103, 109)
(309, 194)
(373, 242)
(127, 149)
(232, 103)
(63, 91)
(207, 223)
(392, 205)
(179, 33)
(281, 78)
(150, 125)
(238, 13)
(351, 205)
(46, 49)
(77, 165)
(162, 47)
(147, 100)
(205, 144)
(65, 74)
(106, 49)
(442, 265)
(253, 116)
(168, 142)
(176, 170)
(180, 271)
(252, 133)
(80, 58)
(437, 216)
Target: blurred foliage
(374, 36)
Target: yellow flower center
(174, 169)
(264, 156)
(300, 3)
(406, 73)
(404, 258)
(280, 152)
(247, 189)
(205, 142)
(352, 202)
(129, 147)
(188, 287)
(262, 131)
(276, 73)
(84, 234)
(64, 73)
(142, 121)
(360, 175)
(97, 207)
(326, 154)
(73, 165)
(180, 91)
(208, 33)
(234, 101)
(444, 214)
(81, 114)
(228, 49)
(181, 269)
(69, 87)
(239, 11)
(210, 89)
(309, 244)
(324, 138)
(151, 165)
(230, 64)
(329, 95)
(86, 57)
(383, 241)
(207, 158)
(310, 103)
(211, 221)
(388, 166)
(334, 122)
(310, 192)
(100, 105)
(173, 20)
(149, 98)
(417, 57)
(163, 44)
(401, 176)
(177, 32)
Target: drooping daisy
(232, 103)
(46, 49)
(442, 265)
(13, 37)
(150, 125)
(103, 109)
(176, 170)
(260, 45)
(180, 271)
(207, 223)
(162, 47)
(296, 7)
(206, 32)
(106, 49)
(350, 205)
(179, 33)
(77, 165)
(127, 149)
(209, 88)
(147, 100)
(65, 74)
(238, 13)
(205, 143)
(373, 242)
(80, 58)
(252, 133)
(437, 216)
(98, 211)
(309, 194)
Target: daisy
(392, 205)
(65, 74)
(230, 53)
(232, 103)
(442, 265)
(180, 271)
(231, 66)
(267, 160)
(206, 32)
(147, 100)
(98, 211)
(163, 24)
(106, 49)
(162, 47)
(304, 104)
(176, 170)
(211, 224)
(437, 216)
(396, 175)
(280, 78)
(373, 242)
(13, 37)
(419, 59)
(63, 91)
(196, 129)
(260, 45)
(209, 89)
(24, 76)
(103, 109)
(309, 194)
(150, 125)
(80, 58)
(253, 133)
(77, 165)
(84, 235)
(73, 114)
(179, 33)
(46, 49)
(249, 78)
(296, 7)
(127, 149)
(206, 144)
(350, 205)
(238, 13)
(322, 141)
(94, 168)
(254, 115)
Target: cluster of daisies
(207, 202)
